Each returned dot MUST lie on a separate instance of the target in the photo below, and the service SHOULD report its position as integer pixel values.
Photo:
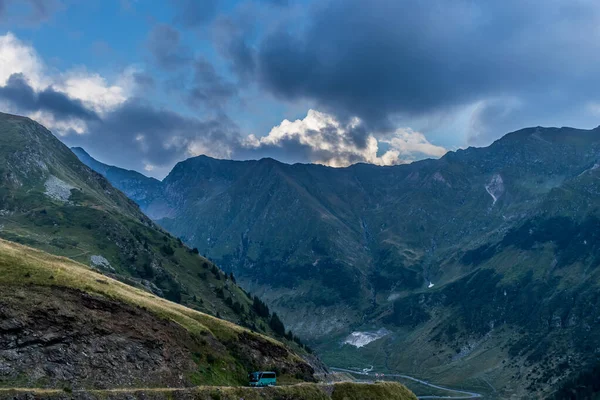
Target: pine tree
(276, 324)
(261, 308)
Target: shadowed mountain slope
(484, 255)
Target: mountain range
(477, 269)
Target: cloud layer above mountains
(88, 111)
(389, 60)
(335, 81)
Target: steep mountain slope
(484, 255)
(51, 201)
(135, 185)
(65, 325)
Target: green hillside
(62, 323)
(68, 328)
(52, 201)
(480, 268)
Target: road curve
(460, 394)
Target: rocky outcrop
(54, 337)
(60, 337)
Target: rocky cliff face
(63, 325)
(57, 337)
(64, 338)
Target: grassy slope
(100, 220)
(27, 267)
(21, 266)
(338, 391)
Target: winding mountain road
(459, 394)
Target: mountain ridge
(365, 247)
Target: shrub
(167, 250)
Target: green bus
(262, 378)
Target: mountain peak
(14, 116)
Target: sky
(144, 84)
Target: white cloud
(17, 57)
(408, 143)
(92, 89)
(60, 127)
(332, 143)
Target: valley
(481, 265)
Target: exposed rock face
(57, 189)
(98, 261)
(62, 337)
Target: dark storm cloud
(209, 88)
(191, 77)
(143, 80)
(413, 58)
(166, 49)
(21, 95)
(232, 36)
(150, 135)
